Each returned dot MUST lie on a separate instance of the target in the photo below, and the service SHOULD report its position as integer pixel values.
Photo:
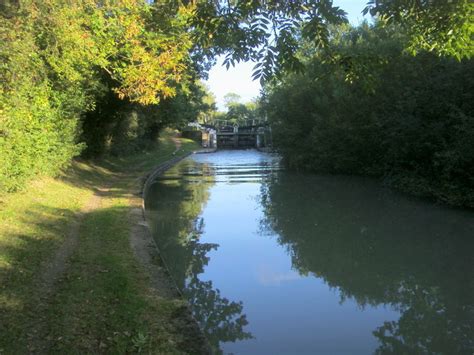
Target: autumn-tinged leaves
(58, 59)
(151, 56)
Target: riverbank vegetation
(365, 106)
(100, 299)
(102, 79)
(78, 77)
(98, 78)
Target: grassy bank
(91, 295)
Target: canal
(277, 262)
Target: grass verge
(101, 301)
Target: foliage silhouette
(380, 248)
(368, 108)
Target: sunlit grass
(102, 302)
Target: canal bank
(70, 280)
(148, 253)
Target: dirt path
(177, 144)
(51, 272)
(146, 252)
(55, 268)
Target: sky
(238, 79)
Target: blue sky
(239, 78)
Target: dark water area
(275, 262)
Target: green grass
(103, 302)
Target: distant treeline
(365, 106)
(93, 77)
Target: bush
(371, 109)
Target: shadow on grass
(112, 177)
(101, 302)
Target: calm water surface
(274, 262)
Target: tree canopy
(271, 32)
(445, 27)
(369, 108)
(100, 74)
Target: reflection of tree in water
(429, 324)
(221, 320)
(173, 211)
(378, 248)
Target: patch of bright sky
(238, 79)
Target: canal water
(276, 262)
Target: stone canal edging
(160, 169)
(148, 253)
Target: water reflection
(173, 206)
(380, 248)
(222, 320)
(278, 262)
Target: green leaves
(60, 58)
(267, 33)
(366, 107)
(444, 27)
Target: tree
(208, 106)
(368, 108)
(445, 27)
(65, 64)
(60, 61)
(270, 32)
(231, 99)
(237, 112)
